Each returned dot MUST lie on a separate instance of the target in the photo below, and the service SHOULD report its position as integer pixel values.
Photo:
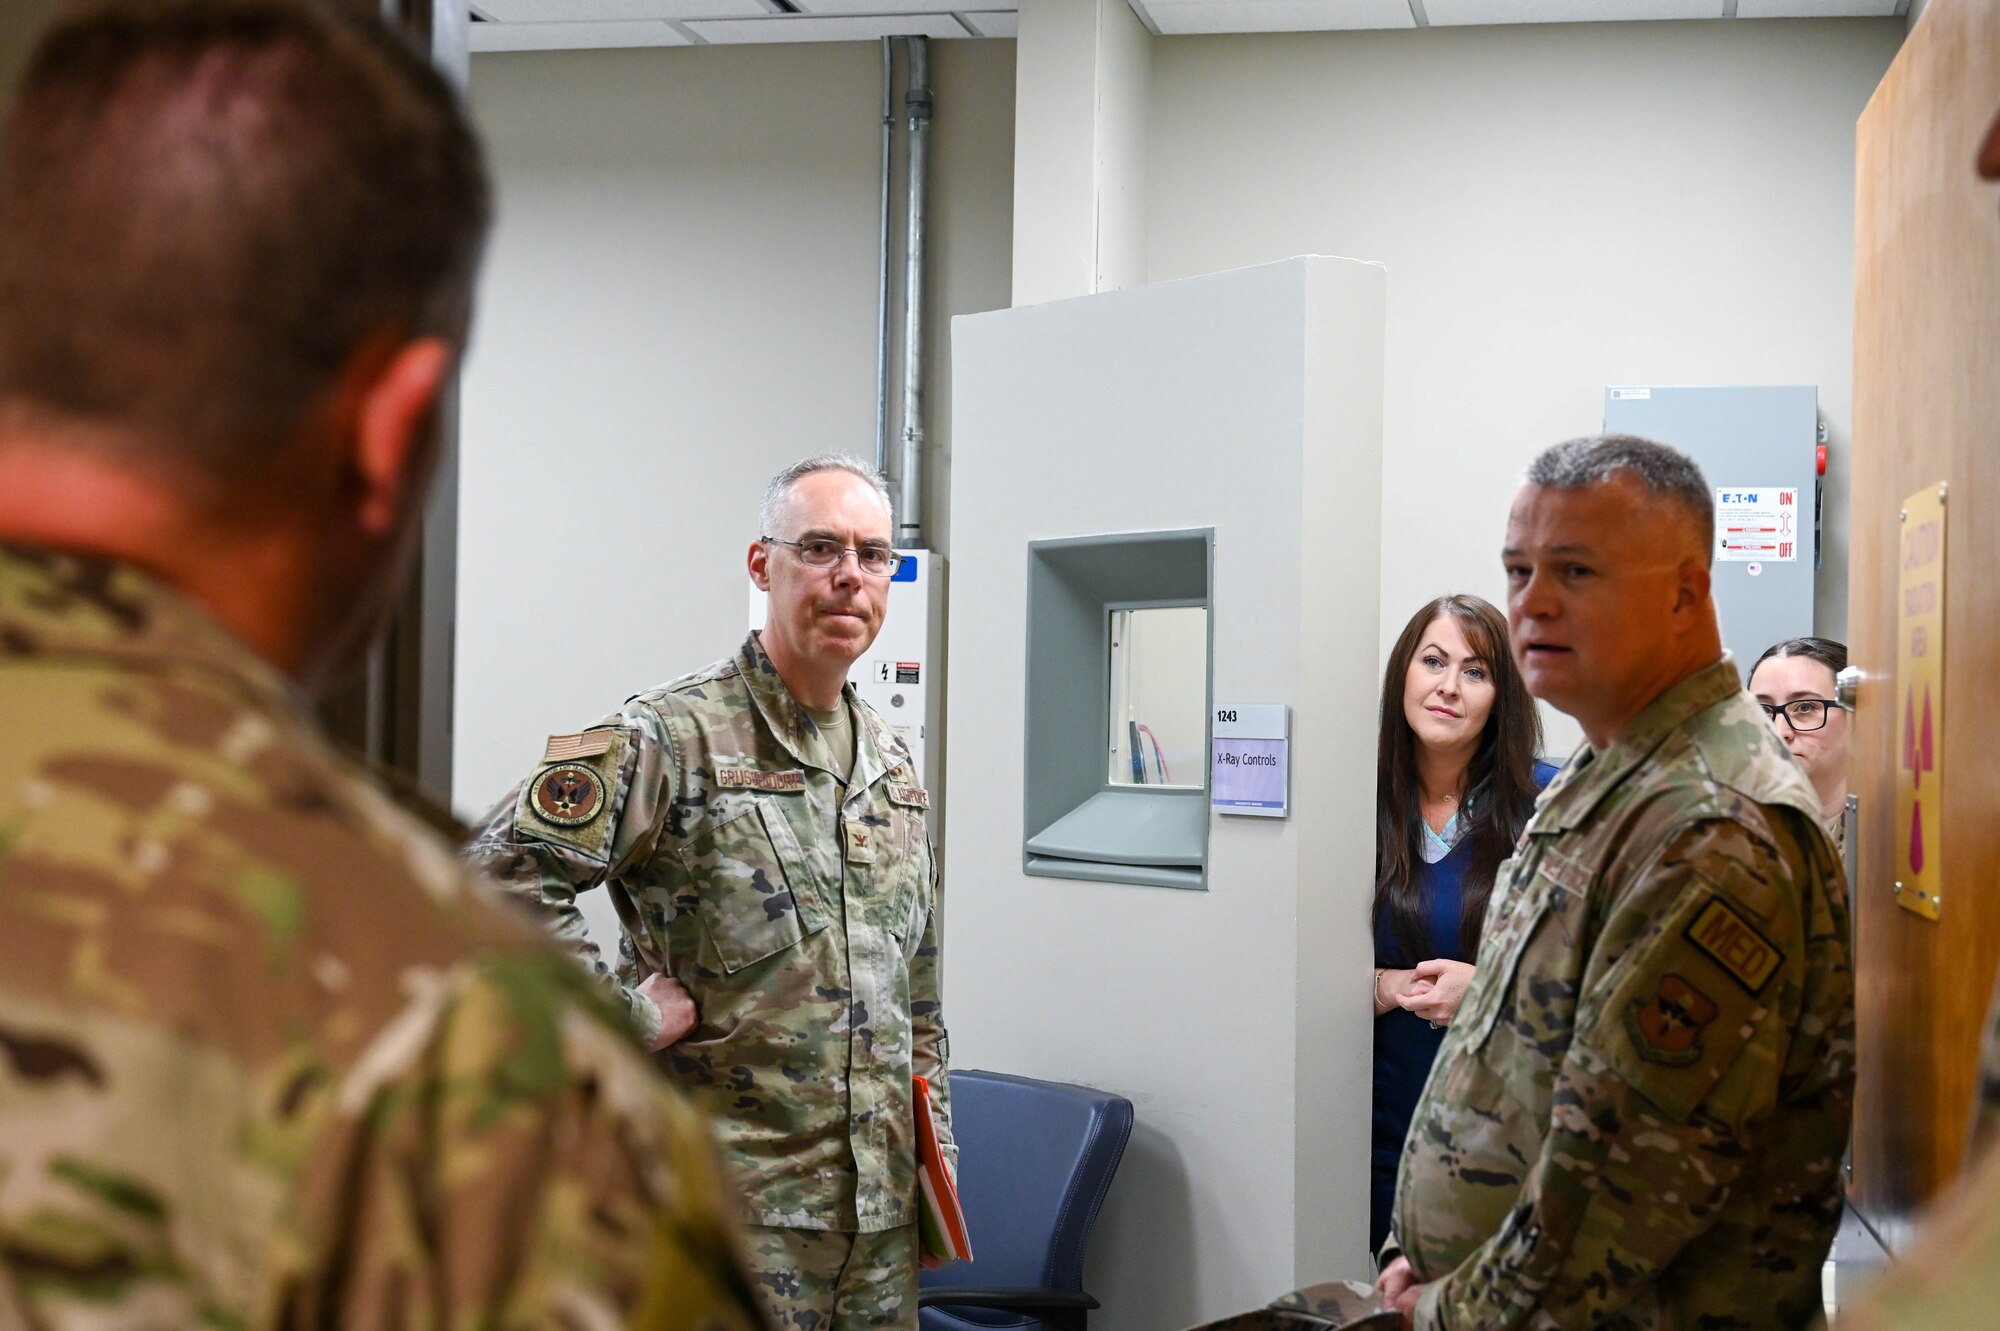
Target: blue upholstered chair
(1035, 1160)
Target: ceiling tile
(1172, 17)
(1817, 8)
(897, 6)
(1448, 13)
(801, 28)
(572, 36)
(1001, 23)
(605, 11)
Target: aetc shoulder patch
(567, 795)
(1666, 1026)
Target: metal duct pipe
(882, 291)
(917, 106)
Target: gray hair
(777, 495)
(1663, 472)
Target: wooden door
(1926, 410)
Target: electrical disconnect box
(898, 674)
(1759, 449)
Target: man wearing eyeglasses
(761, 832)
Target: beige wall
(679, 300)
(1559, 208)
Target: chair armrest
(1020, 1296)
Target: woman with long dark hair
(1456, 779)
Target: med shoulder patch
(1733, 943)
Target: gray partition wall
(1229, 426)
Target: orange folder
(940, 1219)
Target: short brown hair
(1663, 472)
(208, 206)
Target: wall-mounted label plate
(1251, 765)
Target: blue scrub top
(1405, 1044)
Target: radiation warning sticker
(1919, 712)
(1666, 1026)
(568, 795)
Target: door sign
(1920, 703)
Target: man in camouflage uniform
(268, 1056)
(761, 833)
(1638, 1115)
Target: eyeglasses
(1801, 714)
(877, 561)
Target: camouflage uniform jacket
(1637, 1118)
(796, 909)
(268, 1056)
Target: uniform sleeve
(1683, 1027)
(501, 1156)
(592, 810)
(929, 1043)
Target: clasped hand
(1435, 989)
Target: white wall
(1234, 1018)
(679, 300)
(1559, 208)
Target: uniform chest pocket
(752, 882)
(1533, 882)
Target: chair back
(1035, 1160)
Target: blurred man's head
(237, 246)
(1989, 151)
(1607, 560)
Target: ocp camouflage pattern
(798, 914)
(1638, 1116)
(268, 1055)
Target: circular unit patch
(568, 796)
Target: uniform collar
(55, 606)
(877, 750)
(1590, 774)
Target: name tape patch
(568, 748)
(756, 778)
(915, 797)
(1734, 944)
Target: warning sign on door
(1920, 710)
(1757, 522)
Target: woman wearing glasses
(1456, 779)
(1793, 682)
